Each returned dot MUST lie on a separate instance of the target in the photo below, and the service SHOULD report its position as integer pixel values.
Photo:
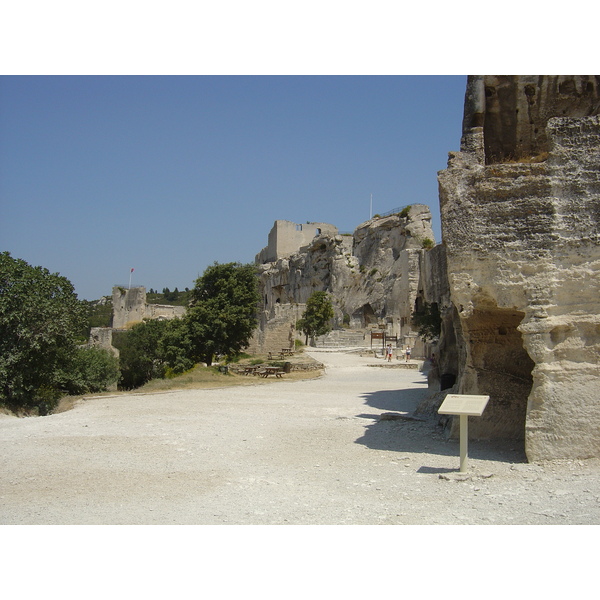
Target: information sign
(464, 406)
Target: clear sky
(167, 174)
(166, 138)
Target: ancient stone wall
(130, 307)
(523, 252)
(287, 238)
(276, 328)
(101, 337)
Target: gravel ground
(307, 452)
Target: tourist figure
(407, 353)
(389, 352)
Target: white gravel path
(308, 452)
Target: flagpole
(130, 272)
(371, 211)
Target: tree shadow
(424, 435)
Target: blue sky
(167, 174)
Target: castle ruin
(287, 238)
(372, 275)
(130, 307)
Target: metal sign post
(463, 406)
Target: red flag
(131, 271)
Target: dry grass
(207, 377)
(200, 377)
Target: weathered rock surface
(373, 276)
(523, 252)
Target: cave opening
(499, 366)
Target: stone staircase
(343, 338)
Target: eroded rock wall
(373, 275)
(523, 252)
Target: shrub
(93, 370)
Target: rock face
(520, 207)
(373, 276)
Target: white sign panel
(462, 404)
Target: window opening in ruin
(318, 231)
(298, 227)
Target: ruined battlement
(287, 238)
(130, 307)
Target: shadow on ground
(423, 435)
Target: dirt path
(306, 452)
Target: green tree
(140, 355)
(175, 347)
(427, 321)
(316, 319)
(40, 319)
(93, 370)
(222, 315)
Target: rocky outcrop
(520, 214)
(373, 275)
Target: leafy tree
(175, 346)
(222, 315)
(40, 318)
(427, 321)
(316, 319)
(140, 355)
(93, 370)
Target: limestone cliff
(520, 207)
(373, 275)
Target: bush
(93, 370)
(140, 357)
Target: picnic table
(250, 370)
(266, 371)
